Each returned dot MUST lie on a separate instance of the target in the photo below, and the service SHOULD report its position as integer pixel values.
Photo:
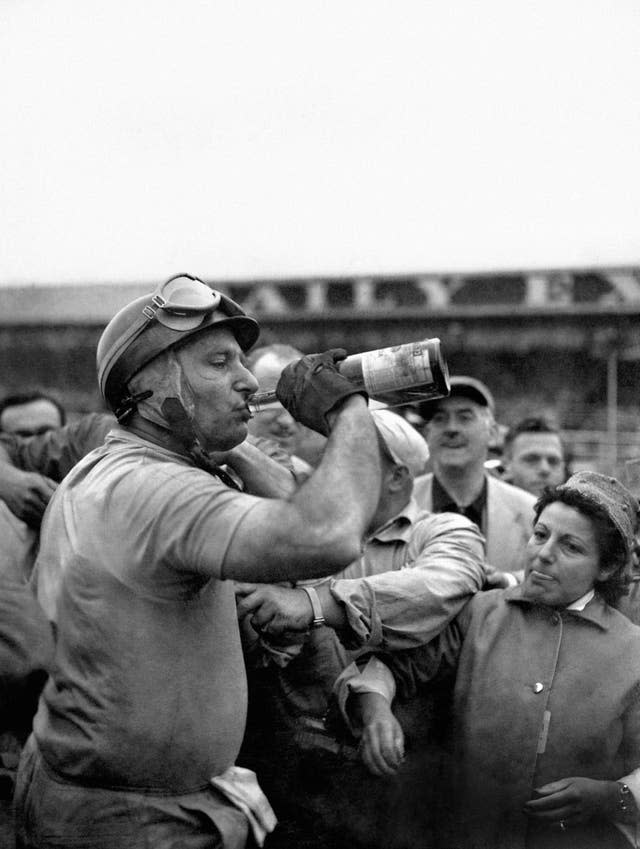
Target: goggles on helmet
(146, 327)
(181, 303)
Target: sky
(284, 138)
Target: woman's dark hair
(611, 545)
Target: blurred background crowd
(557, 344)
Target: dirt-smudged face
(220, 384)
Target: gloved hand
(309, 388)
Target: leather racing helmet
(143, 329)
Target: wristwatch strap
(624, 798)
(318, 616)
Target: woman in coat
(546, 716)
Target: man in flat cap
(459, 430)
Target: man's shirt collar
(399, 526)
(444, 503)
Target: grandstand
(557, 341)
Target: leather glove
(309, 388)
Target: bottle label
(399, 367)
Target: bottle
(402, 374)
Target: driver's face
(214, 366)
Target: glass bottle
(402, 374)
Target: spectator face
(562, 556)
(31, 418)
(536, 460)
(459, 433)
(273, 421)
(220, 384)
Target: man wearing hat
(145, 708)
(416, 572)
(459, 430)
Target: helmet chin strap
(129, 405)
(184, 428)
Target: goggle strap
(128, 338)
(158, 302)
(125, 339)
(183, 428)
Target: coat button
(538, 687)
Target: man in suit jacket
(459, 430)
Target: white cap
(404, 443)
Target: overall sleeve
(407, 608)
(401, 673)
(631, 745)
(631, 750)
(54, 453)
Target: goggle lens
(182, 303)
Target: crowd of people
(320, 623)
